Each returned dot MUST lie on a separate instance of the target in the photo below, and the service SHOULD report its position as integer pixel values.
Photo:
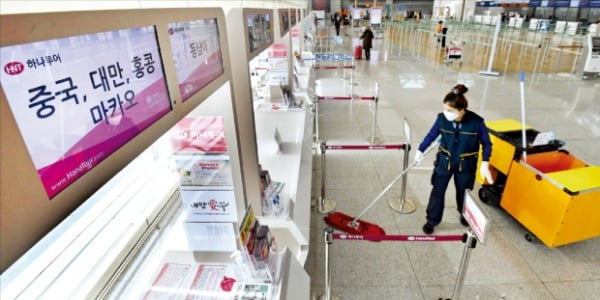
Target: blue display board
(562, 3)
(535, 3)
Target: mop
(351, 225)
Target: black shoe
(428, 228)
(463, 221)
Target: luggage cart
(453, 52)
(553, 194)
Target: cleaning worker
(462, 131)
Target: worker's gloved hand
(419, 157)
(484, 172)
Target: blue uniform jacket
(459, 144)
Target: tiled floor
(508, 266)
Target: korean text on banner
(78, 99)
(196, 54)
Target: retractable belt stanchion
(316, 119)
(325, 205)
(467, 238)
(328, 241)
(470, 243)
(373, 130)
(352, 78)
(403, 205)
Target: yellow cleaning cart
(553, 194)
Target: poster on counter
(187, 281)
(201, 135)
(78, 99)
(196, 54)
(208, 205)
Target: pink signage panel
(196, 54)
(78, 99)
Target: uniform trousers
(440, 179)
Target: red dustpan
(344, 222)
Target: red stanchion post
(315, 111)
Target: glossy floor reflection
(508, 266)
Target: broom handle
(412, 165)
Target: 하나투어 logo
(14, 68)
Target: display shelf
(172, 243)
(292, 165)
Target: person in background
(462, 132)
(367, 37)
(337, 20)
(438, 30)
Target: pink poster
(76, 100)
(196, 54)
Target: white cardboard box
(203, 169)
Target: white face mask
(450, 116)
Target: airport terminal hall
(300, 149)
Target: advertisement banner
(284, 22)
(375, 16)
(196, 54)
(356, 14)
(78, 99)
(293, 17)
(324, 5)
(259, 30)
